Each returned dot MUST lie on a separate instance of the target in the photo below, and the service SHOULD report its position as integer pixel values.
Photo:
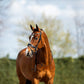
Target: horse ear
(31, 27)
(37, 27)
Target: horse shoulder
(21, 53)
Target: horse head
(36, 41)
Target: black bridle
(35, 47)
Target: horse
(35, 63)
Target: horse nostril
(28, 54)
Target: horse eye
(36, 38)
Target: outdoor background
(63, 22)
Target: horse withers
(35, 63)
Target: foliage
(68, 71)
(8, 71)
(4, 6)
(60, 41)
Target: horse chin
(28, 53)
(31, 56)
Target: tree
(4, 6)
(79, 22)
(60, 41)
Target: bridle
(35, 47)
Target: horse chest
(41, 71)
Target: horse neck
(45, 53)
(48, 52)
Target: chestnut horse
(35, 63)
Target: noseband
(35, 47)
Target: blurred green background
(68, 71)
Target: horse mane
(47, 46)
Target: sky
(65, 10)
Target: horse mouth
(29, 53)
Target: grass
(68, 71)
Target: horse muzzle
(29, 53)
